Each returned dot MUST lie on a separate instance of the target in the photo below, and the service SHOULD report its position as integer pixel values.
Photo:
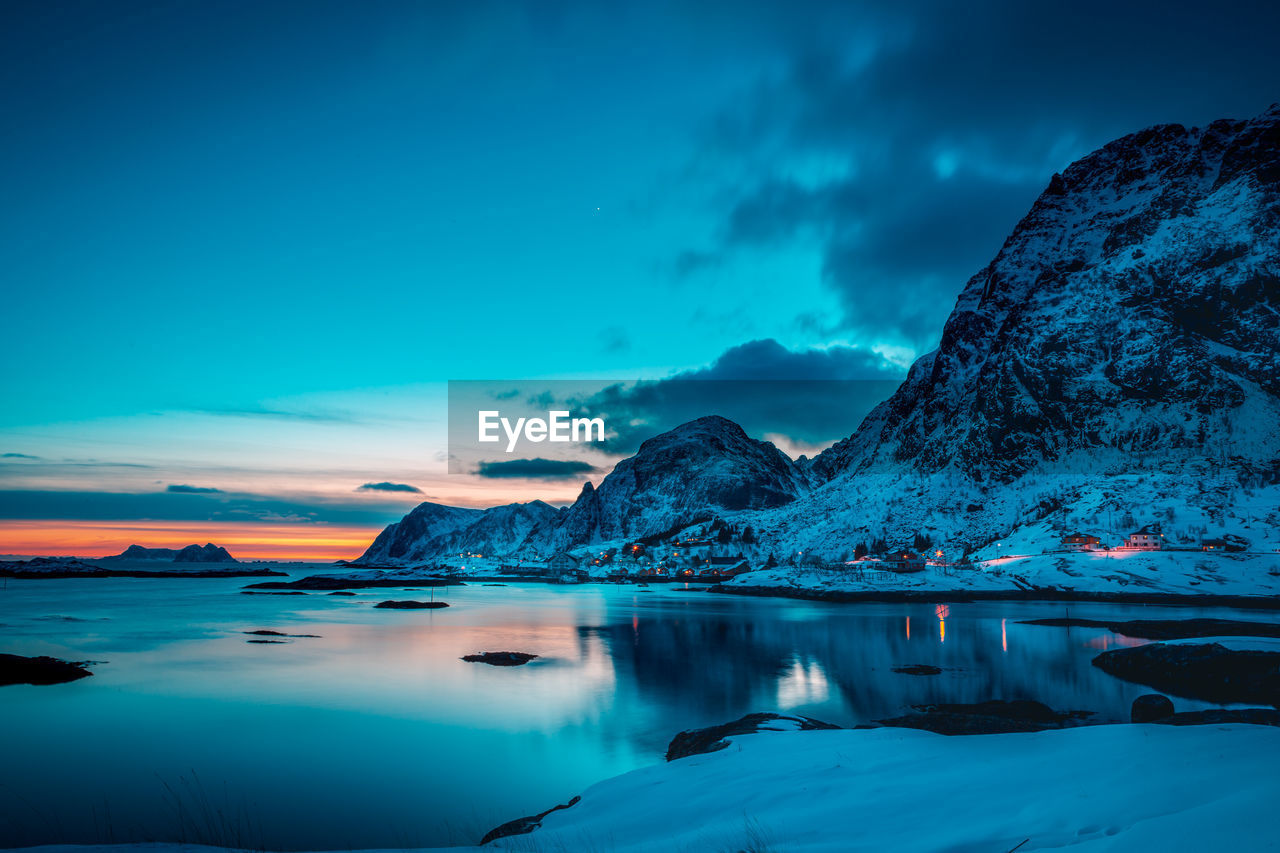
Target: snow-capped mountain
(1135, 308)
(412, 536)
(691, 473)
(1118, 357)
(434, 531)
(696, 470)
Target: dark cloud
(691, 261)
(389, 487)
(768, 359)
(536, 469)
(182, 489)
(17, 456)
(813, 396)
(903, 141)
(614, 339)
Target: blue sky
(250, 240)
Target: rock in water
(411, 605)
(500, 658)
(16, 669)
(918, 669)
(1150, 707)
(1221, 716)
(997, 716)
(712, 738)
(1209, 671)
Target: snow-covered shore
(1098, 788)
(1102, 573)
(1089, 789)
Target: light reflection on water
(376, 735)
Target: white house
(1149, 538)
(562, 564)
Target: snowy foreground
(1095, 788)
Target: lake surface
(377, 735)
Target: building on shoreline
(562, 564)
(1148, 538)
(1081, 542)
(903, 562)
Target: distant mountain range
(1120, 356)
(210, 553)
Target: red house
(904, 562)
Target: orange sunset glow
(319, 542)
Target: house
(694, 547)
(903, 561)
(562, 564)
(1081, 542)
(726, 567)
(1227, 543)
(1149, 538)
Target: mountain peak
(1131, 310)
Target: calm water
(376, 735)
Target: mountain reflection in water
(375, 734)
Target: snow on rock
(432, 531)
(690, 473)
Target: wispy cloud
(183, 489)
(17, 456)
(315, 416)
(389, 487)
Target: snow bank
(1195, 788)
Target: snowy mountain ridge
(1118, 358)
(1136, 307)
(703, 468)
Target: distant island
(210, 553)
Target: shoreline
(1047, 596)
(138, 573)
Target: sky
(245, 245)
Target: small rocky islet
(500, 658)
(410, 605)
(17, 669)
